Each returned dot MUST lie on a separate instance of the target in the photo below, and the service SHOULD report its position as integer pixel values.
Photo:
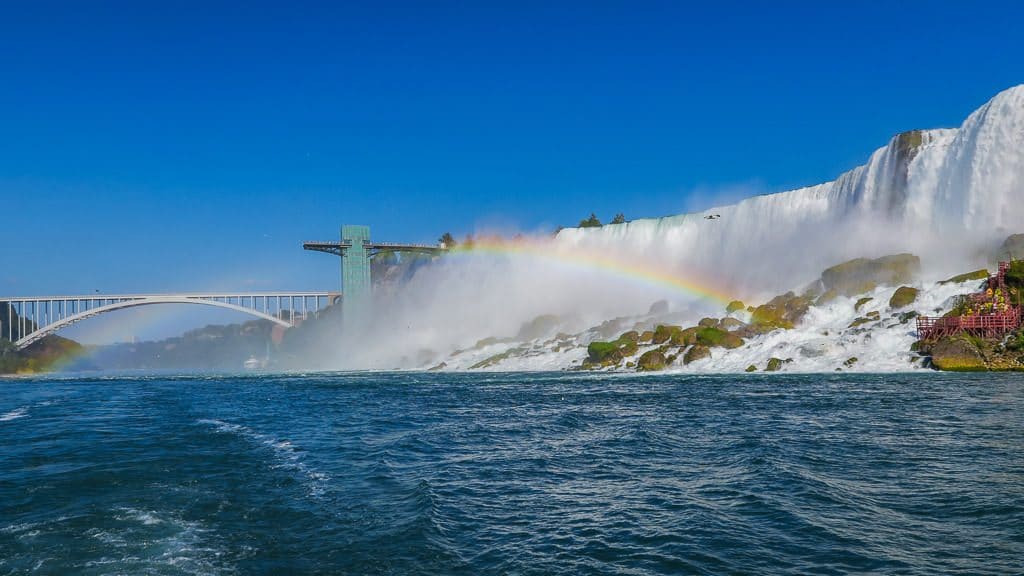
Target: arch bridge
(25, 320)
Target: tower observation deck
(356, 250)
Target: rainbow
(630, 269)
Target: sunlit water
(512, 474)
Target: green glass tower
(355, 266)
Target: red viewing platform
(995, 317)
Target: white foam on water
(14, 414)
(286, 455)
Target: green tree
(447, 240)
(620, 218)
(591, 222)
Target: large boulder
(863, 275)
(696, 352)
(903, 296)
(959, 354)
(734, 306)
(664, 333)
(1011, 249)
(716, 337)
(651, 361)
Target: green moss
(859, 322)
(751, 368)
(663, 333)
(770, 316)
(967, 277)
(903, 297)
(774, 365)
(599, 351)
(631, 336)
(1015, 275)
(850, 361)
(708, 322)
(861, 302)
(711, 337)
(685, 337)
(734, 306)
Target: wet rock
(861, 302)
(734, 306)
(863, 275)
(967, 277)
(774, 365)
(663, 333)
(730, 324)
(957, 353)
(651, 361)
(696, 352)
(708, 323)
(903, 297)
(751, 368)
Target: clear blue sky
(148, 147)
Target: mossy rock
(663, 333)
(651, 361)
(861, 302)
(1011, 249)
(696, 352)
(685, 337)
(734, 306)
(713, 337)
(774, 365)
(907, 145)
(907, 316)
(862, 275)
(874, 315)
(647, 336)
(751, 368)
(730, 324)
(861, 321)
(826, 297)
(903, 297)
(632, 336)
(708, 323)
(850, 361)
(958, 354)
(967, 277)
(598, 352)
(770, 317)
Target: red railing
(989, 325)
(930, 327)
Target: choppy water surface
(512, 474)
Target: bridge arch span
(44, 331)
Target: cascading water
(947, 195)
